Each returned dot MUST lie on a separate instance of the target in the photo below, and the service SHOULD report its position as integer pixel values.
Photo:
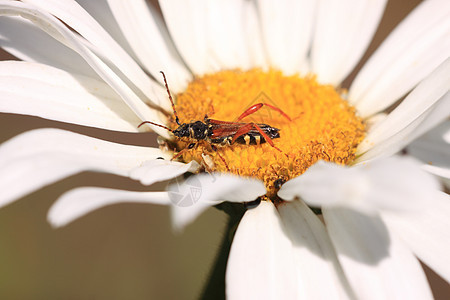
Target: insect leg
(214, 148)
(243, 130)
(190, 146)
(254, 108)
(211, 106)
(247, 127)
(268, 139)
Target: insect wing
(223, 129)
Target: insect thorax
(195, 130)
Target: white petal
(59, 31)
(343, 32)
(314, 255)
(287, 29)
(445, 182)
(81, 201)
(427, 233)
(101, 43)
(417, 46)
(160, 170)
(261, 263)
(40, 90)
(187, 23)
(397, 184)
(433, 149)
(147, 35)
(254, 37)
(27, 42)
(374, 120)
(426, 106)
(40, 157)
(226, 39)
(101, 12)
(344, 185)
(376, 263)
(195, 194)
(211, 35)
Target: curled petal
(81, 201)
(425, 107)
(394, 184)
(433, 149)
(40, 157)
(60, 32)
(27, 42)
(57, 95)
(104, 46)
(160, 170)
(198, 192)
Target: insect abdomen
(245, 139)
(250, 139)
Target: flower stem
(215, 287)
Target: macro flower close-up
(332, 165)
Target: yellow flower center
(323, 127)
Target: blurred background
(123, 251)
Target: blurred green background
(123, 251)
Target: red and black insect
(223, 133)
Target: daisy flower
(97, 63)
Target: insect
(218, 133)
(278, 183)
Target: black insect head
(196, 130)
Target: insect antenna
(162, 126)
(171, 100)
